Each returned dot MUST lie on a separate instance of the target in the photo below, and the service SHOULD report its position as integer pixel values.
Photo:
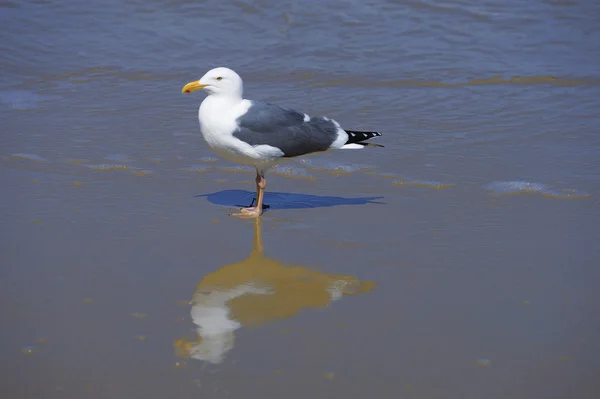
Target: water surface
(460, 261)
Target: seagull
(261, 134)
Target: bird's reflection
(256, 291)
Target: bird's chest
(218, 134)
(217, 131)
(217, 124)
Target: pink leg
(255, 211)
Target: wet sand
(460, 261)
(107, 279)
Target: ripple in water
(142, 172)
(334, 167)
(291, 171)
(197, 169)
(28, 350)
(20, 99)
(422, 183)
(29, 157)
(385, 174)
(208, 159)
(236, 169)
(405, 181)
(118, 158)
(108, 166)
(526, 187)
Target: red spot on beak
(188, 91)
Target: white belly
(217, 124)
(231, 149)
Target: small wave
(197, 169)
(405, 181)
(422, 183)
(29, 157)
(20, 99)
(118, 158)
(236, 169)
(292, 172)
(527, 187)
(208, 159)
(385, 174)
(108, 166)
(494, 80)
(142, 172)
(334, 167)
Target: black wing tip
(364, 132)
(357, 136)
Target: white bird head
(220, 81)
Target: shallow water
(460, 261)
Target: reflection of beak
(192, 86)
(183, 347)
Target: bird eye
(219, 78)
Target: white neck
(219, 102)
(231, 98)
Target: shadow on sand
(239, 198)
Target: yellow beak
(192, 86)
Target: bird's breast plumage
(217, 119)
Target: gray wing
(285, 129)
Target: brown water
(460, 261)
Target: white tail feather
(352, 146)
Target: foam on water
(291, 171)
(108, 166)
(527, 187)
(334, 167)
(118, 158)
